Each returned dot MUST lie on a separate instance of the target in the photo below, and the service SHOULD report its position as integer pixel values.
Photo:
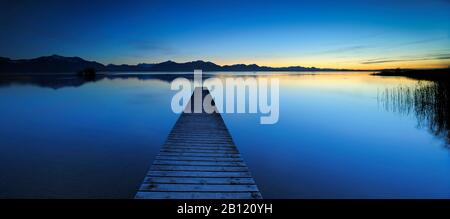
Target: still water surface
(339, 135)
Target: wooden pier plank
(197, 188)
(198, 195)
(198, 174)
(179, 154)
(187, 158)
(198, 168)
(201, 180)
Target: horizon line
(223, 65)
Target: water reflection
(428, 101)
(70, 80)
(332, 141)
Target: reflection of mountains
(70, 80)
(428, 101)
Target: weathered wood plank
(198, 195)
(197, 154)
(201, 180)
(192, 150)
(200, 147)
(198, 188)
(221, 135)
(210, 143)
(198, 163)
(198, 133)
(205, 150)
(199, 168)
(199, 158)
(199, 174)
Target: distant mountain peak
(59, 57)
(200, 61)
(54, 56)
(48, 64)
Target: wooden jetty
(199, 161)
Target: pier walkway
(199, 161)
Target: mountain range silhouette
(62, 64)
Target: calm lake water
(339, 135)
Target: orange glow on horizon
(335, 64)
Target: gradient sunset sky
(334, 34)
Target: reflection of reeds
(428, 101)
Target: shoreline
(423, 74)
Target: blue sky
(341, 34)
